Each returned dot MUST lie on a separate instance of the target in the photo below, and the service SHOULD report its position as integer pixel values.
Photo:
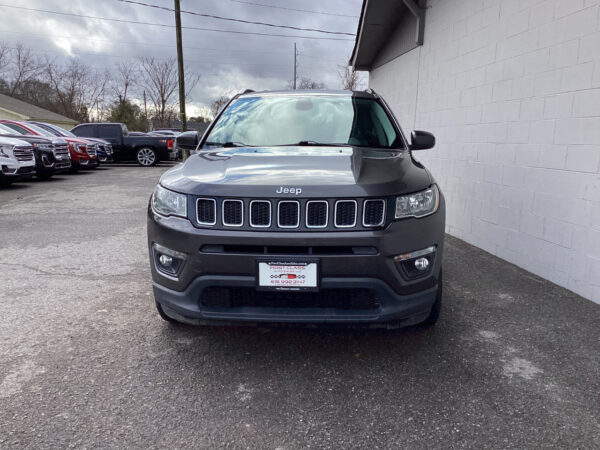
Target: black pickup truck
(146, 150)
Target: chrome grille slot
(345, 213)
(206, 211)
(260, 213)
(23, 153)
(61, 151)
(233, 213)
(288, 214)
(317, 212)
(91, 149)
(373, 213)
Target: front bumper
(399, 300)
(16, 173)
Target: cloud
(227, 63)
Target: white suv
(16, 160)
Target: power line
(173, 26)
(153, 44)
(295, 9)
(211, 16)
(159, 58)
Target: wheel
(164, 317)
(146, 157)
(434, 315)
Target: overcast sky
(226, 62)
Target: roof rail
(247, 91)
(372, 92)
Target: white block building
(511, 89)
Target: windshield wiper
(316, 144)
(228, 144)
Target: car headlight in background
(169, 203)
(42, 146)
(4, 149)
(419, 204)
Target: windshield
(59, 131)
(304, 120)
(41, 131)
(7, 130)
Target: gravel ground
(87, 362)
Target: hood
(78, 140)
(316, 171)
(28, 138)
(12, 141)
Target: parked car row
(29, 148)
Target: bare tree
(307, 83)
(78, 88)
(349, 78)
(25, 67)
(5, 55)
(124, 78)
(159, 80)
(218, 103)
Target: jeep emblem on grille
(285, 190)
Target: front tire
(434, 315)
(146, 157)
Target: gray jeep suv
(300, 207)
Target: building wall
(9, 115)
(511, 88)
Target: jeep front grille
(206, 211)
(233, 213)
(288, 214)
(345, 213)
(292, 215)
(23, 153)
(260, 213)
(91, 149)
(373, 213)
(316, 213)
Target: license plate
(288, 275)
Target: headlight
(419, 204)
(4, 149)
(42, 146)
(169, 203)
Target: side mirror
(188, 139)
(421, 140)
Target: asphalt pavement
(85, 361)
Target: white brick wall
(511, 88)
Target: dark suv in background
(300, 207)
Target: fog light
(416, 264)
(165, 260)
(422, 264)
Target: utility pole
(145, 110)
(180, 67)
(295, 53)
